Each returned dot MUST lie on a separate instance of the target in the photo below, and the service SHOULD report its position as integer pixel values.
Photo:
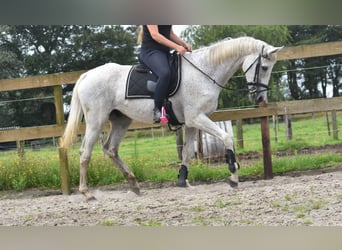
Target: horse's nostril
(260, 99)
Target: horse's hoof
(136, 190)
(181, 183)
(233, 184)
(89, 196)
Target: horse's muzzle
(260, 99)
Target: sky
(179, 28)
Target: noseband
(256, 83)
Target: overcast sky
(179, 28)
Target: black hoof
(233, 184)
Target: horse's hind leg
(89, 140)
(119, 125)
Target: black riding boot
(156, 115)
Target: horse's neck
(227, 69)
(221, 72)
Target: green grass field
(153, 158)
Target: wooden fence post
(21, 149)
(334, 124)
(199, 145)
(328, 122)
(288, 127)
(63, 154)
(64, 170)
(275, 127)
(239, 133)
(266, 145)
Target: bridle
(255, 84)
(256, 80)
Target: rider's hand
(181, 50)
(188, 47)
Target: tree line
(27, 50)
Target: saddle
(141, 82)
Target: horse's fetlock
(182, 176)
(234, 167)
(183, 171)
(84, 162)
(230, 157)
(231, 161)
(83, 190)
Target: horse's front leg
(187, 155)
(204, 123)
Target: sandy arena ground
(307, 199)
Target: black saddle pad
(139, 75)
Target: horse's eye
(264, 68)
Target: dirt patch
(310, 198)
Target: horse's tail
(74, 119)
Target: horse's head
(257, 68)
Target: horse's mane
(229, 47)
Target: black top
(149, 43)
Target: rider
(156, 42)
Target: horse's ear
(273, 50)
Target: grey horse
(99, 95)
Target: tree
(100, 45)
(42, 49)
(310, 78)
(203, 35)
(10, 65)
(63, 48)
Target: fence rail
(275, 108)
(280, 108)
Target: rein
(210, 78)
(255, 82)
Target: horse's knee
(84, 162)
(228, 141)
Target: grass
(308, 131)
(153, 158)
